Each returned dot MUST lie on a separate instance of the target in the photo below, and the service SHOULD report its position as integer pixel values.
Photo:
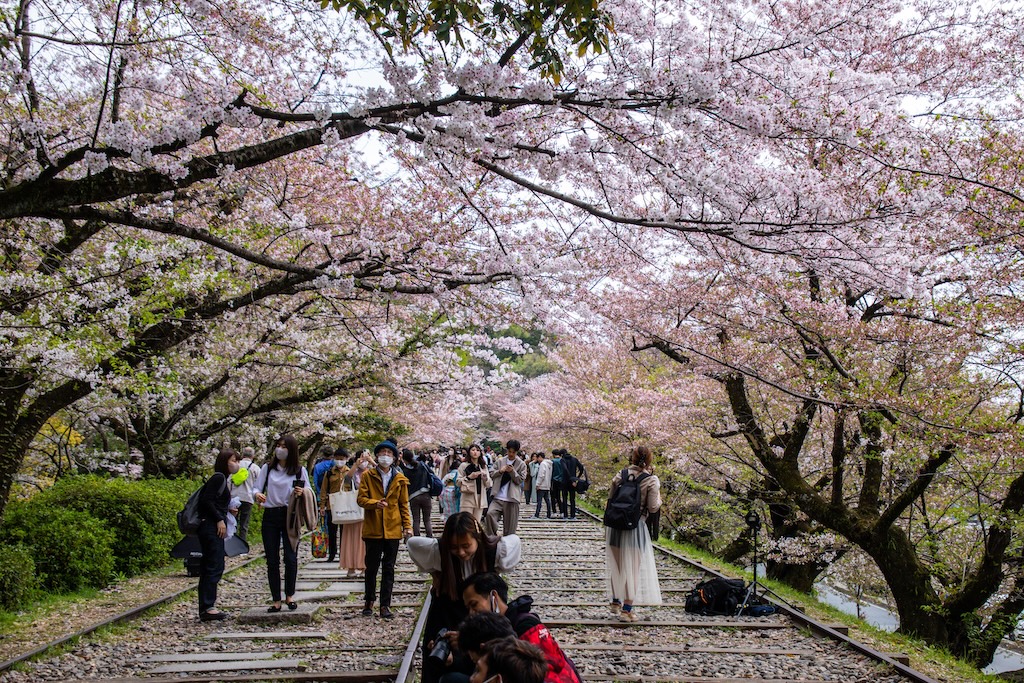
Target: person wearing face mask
(463, 549)
(352, 553)
(280, 484)
(419, 492)
(488, 593)
(384, 495)
(214, 500)
(332, 469)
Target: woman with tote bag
(352, 554)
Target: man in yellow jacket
(384, 495)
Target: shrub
(17, 576)
(71, 549)
(142, 515)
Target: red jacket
(528, 627)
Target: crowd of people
(473, 632)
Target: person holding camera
(281, 484)
(463, 550)
(488, 594)
(384, 495)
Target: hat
(385, 444)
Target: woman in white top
(474, 482)
(632, 577)
(283, 478)
(463, 550)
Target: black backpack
(718, 596)
(624, 509)
(188, 517)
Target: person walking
(330, 482)
(384, 495)
(419, 492)
(474, 482)
(543, 483)
(352, 555)
(507, 489)
(281, 481)
(631, 574)
(242, 485)
(214, 500)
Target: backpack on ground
(625, 508)
(716, 597)
(188, 516)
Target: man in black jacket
(419, 491)
(573, 469)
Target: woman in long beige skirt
(352, 551)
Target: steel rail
(802, 619)
(116, 619)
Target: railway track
(563, 569)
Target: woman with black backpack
(214, 499)
(632, 575)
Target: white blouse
(426, 554)
(279, 488)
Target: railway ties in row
(562, 568)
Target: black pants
(275, 537)
(557, 492)
(332, 536)
(569, 501)
(381, 553)
(211, 567)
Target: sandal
(274, 608)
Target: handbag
(344, 508)
(582, 483)
(320, 541)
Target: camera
(441, 648)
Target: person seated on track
(510, 660)
(488, 593)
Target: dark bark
(22, 422)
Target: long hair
(463, 524)
(291, 463)
(469, 453)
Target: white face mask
(281, 453)
(385, 461)
(339, 463)
(363, 465)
